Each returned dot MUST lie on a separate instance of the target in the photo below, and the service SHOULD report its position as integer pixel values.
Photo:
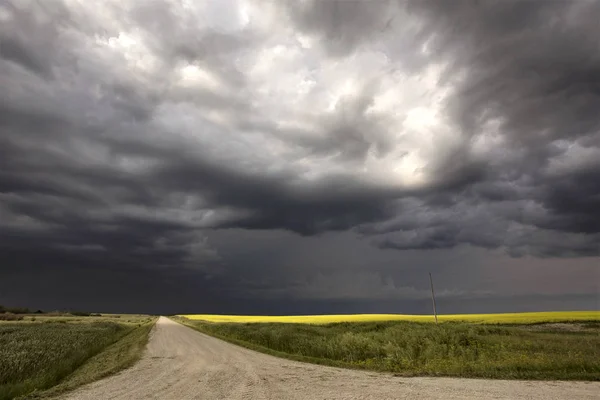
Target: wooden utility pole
(433, 298)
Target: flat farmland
(560, 345)
(77, 358)
(181, 363)
(41, 351)
(502, 318)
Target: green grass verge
(542, 352)
(48, 356)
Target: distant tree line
(18, 310)
(16, 313)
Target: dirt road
(181, 363)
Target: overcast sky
(299, 157)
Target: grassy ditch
(551, 351)
(36, 355)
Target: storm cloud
(313, 151)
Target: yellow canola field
(506, 318)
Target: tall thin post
(433, 298)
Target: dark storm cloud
(17, 46)
(131, 135)
(341, 26)
(532, 69)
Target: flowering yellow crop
(508, 318)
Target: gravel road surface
(181, 363)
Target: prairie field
(564, 346)
(41, 351)
(504, 318)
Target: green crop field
(40, 352)
(504, 346)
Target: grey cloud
(12, 49)
(341, 25)
(111, 154)
(521, 75)
(346, 136)
(15, 38)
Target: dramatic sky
(299, 157)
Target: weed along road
(180, 363)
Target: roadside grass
(40, 352)
(550, 351)
(503, 318)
